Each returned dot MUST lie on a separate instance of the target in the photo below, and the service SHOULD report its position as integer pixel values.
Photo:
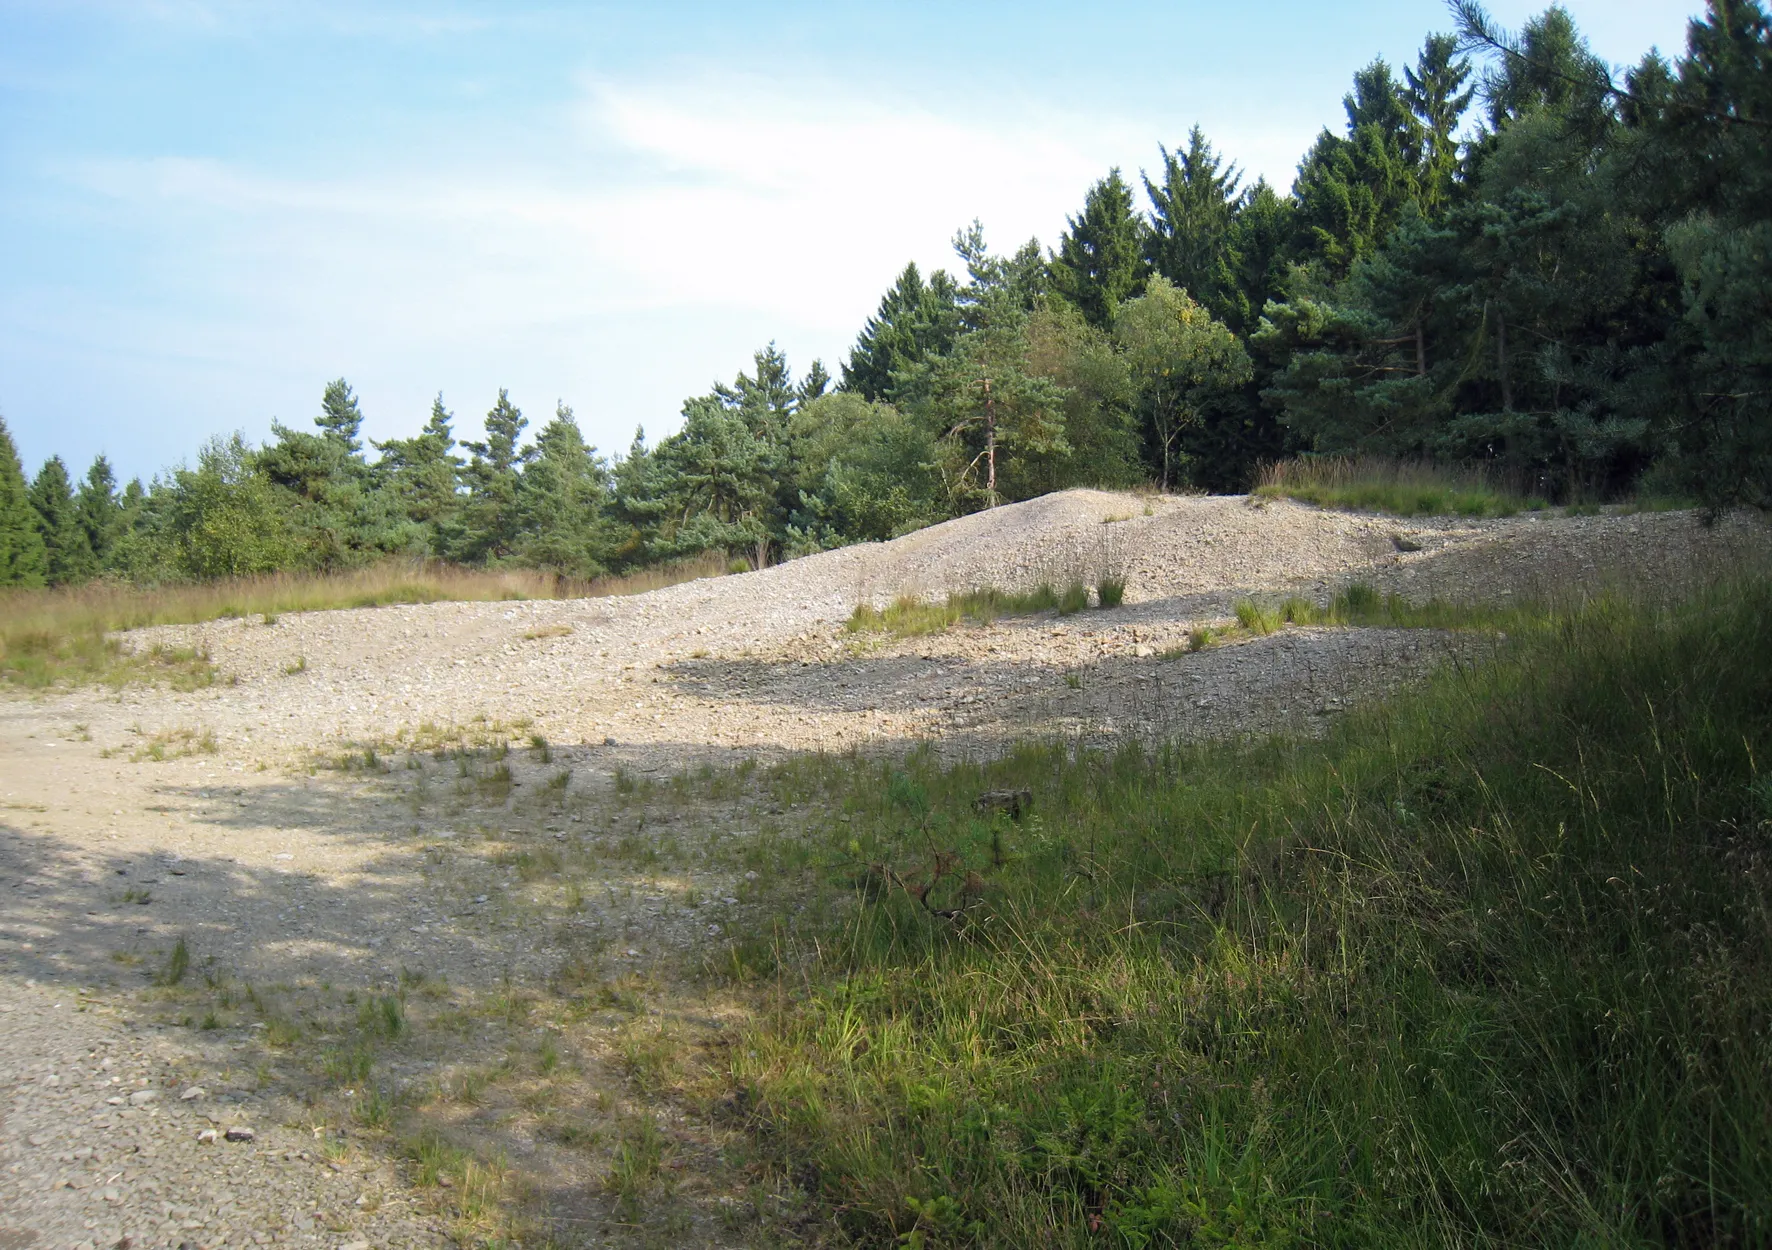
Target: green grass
(1399, 487)
(910, 617)
(1490, 965)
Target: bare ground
(537, 931)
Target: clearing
(417, 900)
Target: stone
(142, 1097)
(207, 1136)
(193, 1094)
(240, 1133)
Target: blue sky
(208, 209)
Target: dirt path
(467, 936)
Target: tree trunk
(1420, 351)
(990, 445)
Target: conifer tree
(1193, 211)
(814, 385)
(100, 511)
(22, 558)
(1438, 98)
(489, 518)
(1351, 191)
(560, 497)
(1101, 257)
(67, 553)
(340, 419)
(422, 473)
(915, 322)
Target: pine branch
(1478, 32)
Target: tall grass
(1401, 487)
(61, 634)
(1491, 965)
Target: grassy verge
(909, 616)
(1491, 965)
(61, 635)
(1401, 487)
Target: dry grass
(62, 635)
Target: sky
(210, 208)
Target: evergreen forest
(1506, 255)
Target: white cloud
(673, 225)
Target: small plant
(547, 631)
(300, 666)
(374, 1110)
(271, 618)
(1110, 592)
(136, 894)
(1257, 619)
(1074, 680)
(635, 1169)
(350, 1066)
(383, 1015)
(1074, 599)
(549, 1057)
(539, 745)
(177, 964)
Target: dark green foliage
(22, 558)
(1703, 137)
(67, 550)
(101, 512)
(423, 474)
(1101, 258)
(1351, 191)
(560, 499)
(489, 524)
(916, 321)
(1192, 239)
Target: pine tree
(1193, 212)
(915, 322)
(489, 522)
(1705, 142)
(421, 472)
(100, 511)
(1437, 98)
(1351, 191)
(560, 496)
(22, 558)
(1100, 259)
(340, 419)
(814, 385)
(67, 553)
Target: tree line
(1502, 255)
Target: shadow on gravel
(442, 900)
